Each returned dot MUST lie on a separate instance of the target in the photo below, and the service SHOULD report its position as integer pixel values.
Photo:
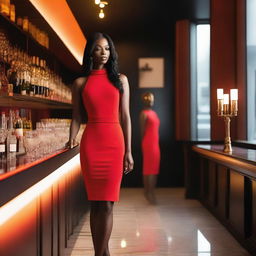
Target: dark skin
(149, 181)
(101, 215)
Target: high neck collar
(98, 71)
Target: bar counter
(226, 185)
(40, 204)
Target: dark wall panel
(129, 52)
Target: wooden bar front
(226, 185)
(43, 225)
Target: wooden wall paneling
(73, 206)
(254, 208)
(46, 222)
(74, 200)
(79, 200)
(206, 179)
(62, 216)
(236, 202)
(241, 69)
(55, 220)
(182, 80)
(212, 184)
(192, 173)
(68, 207)
(223, 58)
(247, 207)
(201, 177)
(222, 191)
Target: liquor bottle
(3, 135)
(3, 80)
(46, 80)
(12, 13)
(27, 80)
(42, 87)
(23, 84)
(37, 79)
(5, 7)
(30, 127)
(2, 165)
(33, 77)
(13, 78)
(11, 140)
(18, 125)
(25, 24)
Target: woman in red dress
(102, 95)
(149, 123)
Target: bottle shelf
(26, 35)
(24, 101)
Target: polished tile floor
(174, 227)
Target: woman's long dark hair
(111, 65)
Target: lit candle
(234, 101)
(226, 104)
(220, 102)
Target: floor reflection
(174, 227)
(203, 245)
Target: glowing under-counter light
(61, 19)
(15, 205)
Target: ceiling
(128, 19)
(125, 20)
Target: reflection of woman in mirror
(149, 124)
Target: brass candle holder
(227, 109)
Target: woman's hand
(71, 144)
(128, 163)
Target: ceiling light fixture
(97, 1)
(101, 14)
(102, 4)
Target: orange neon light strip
(61, 19)
(15, 205)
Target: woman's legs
(149, 187)
(101, 222)
(146, 185)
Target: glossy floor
(174, 227)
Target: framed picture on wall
(151, 72)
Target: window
(251, 68)
(200, 82)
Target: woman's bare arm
(76, 113)
(126, 124)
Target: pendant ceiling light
(101, 5)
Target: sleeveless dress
(102, 144)
(150, 143)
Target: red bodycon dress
(102, 143)
(150, 144)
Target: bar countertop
(25, 174)
(241, 159)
